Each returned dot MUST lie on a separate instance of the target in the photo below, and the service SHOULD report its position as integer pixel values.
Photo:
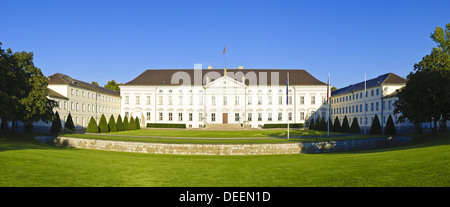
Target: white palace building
(222, 97)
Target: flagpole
(287, 103)
(365, 108)
(328, 108)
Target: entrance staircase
(223, 126)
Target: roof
(388, 78)
(164, 76)
(59, 78)
(55, 94)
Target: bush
(69, 123)
(56, 124)
(312, 125)
(102, 125)
(112, 124)
(92, 126)
(132, 124)
(164, 125)
(390, 127)
(336, 125)
(138, 124)
(293, 125)
(355, 126)
(375, 128)
(125, 124)
(344, 127)
(322, 124)
(119, 123)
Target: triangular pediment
(225, 82)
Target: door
(225, 118)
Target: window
(191, 100)
(313, 99)
(356, 96)
(190, 116)
(270, 100)
(160, 116)
(71, 91)
(371, 92)
(200, 116)
(269, 117)
(213, 116)
(353, 109)
(148, 100)
(249, 100)
(302, 99)
(213, 100)
(367, 108)
(236, 100)
(127, 99)
(89, 107)
(180, 116)
(377, 92)
(376, 106)
(290, 100)
(170, 100)
(82, 107)
(249, 117)
(290, 116)
(259, 100)
(89, 95)
(137, 100)
(302, 115)
(72, 106)
(389, 104)
(160, 100)
(280, 100)
(259, 116)
(180, 100)
(148, 116)
(65, 104)
(371, 106)
(170, 116)
(356, 108)
(200, 100)
(236, 117)
(82, 94)
(225, 100)
(280, 116)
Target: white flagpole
(287, 103)
(328, 108)
(365, 109)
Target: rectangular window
(389, 105)
(377, 92)
(367, 108)
(180, 116)
(280, 100)
(160, 100)
(225, 100)
(200, 116)
(290, 100)
(249, 117)
(170, 116)
(213, 116)
(371, 106)
(127, 99)
(259, 116)
(191, 100)
(236, 117)
(302, 100)
(371, 92)
(270, 100)
(77, 92)
(249, 100)
(213, 100)
(356, 108)
(137, 100)
(313, 99)
(290, 116)
(259, 100)
(200, 100)
(269, 117)
(376, 106)
(82, 93)
(280, 116)
(190, 116)
(236, 100)
(149, 100)
(160, 116)
(170, 100)
(148, 116)
(302, 116)
(180, 100)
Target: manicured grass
(26, 162)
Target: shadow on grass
(22, 140)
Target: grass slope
(26, 162)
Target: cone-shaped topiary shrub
(112, 124)
(126, 127)
(131, 124)
(103, 125)
(138, 124)
(336, 125)
(355, 126)
(69, 123)
(390, 127)
(119, 123)
(375, 128)
(311, 124)
(344, 127)
(92, 126)
(56, 124)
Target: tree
(311, 124)
(138, 124)
(323, 124)
(345, 126)
(355, 126)
(126, 127)
(336, 125)
(113, 85)
(69, 123)
(56, 124)
(92, 126)
(112, 124)
(375, 128)
(103, 125)
(119, 123)
(131, 124)
(95, 83)
(389, 129)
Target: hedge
(112, 124)
(355, 126)
(119, 123)
(293, 125)
(165, 125)
(390, 127)
(375, 128)
(56, 124)
(69, 123)
(92, 126)
(103, 125)
(344, 127)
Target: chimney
(210, 67)
(241, 67)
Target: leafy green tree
(345, 126)
(119, 123)
(113, 85)
(375, 128)
(389, 129)
(69, 123)
(92, 126)
(56, 124)
(103, 125)
(112, 124)
(355, 126)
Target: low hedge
(165, 125)
(293, 125)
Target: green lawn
(26, 162)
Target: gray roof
(59, 78)
(388, 78)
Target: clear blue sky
(117, 40)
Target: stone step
(223, 126)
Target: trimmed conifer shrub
(389, 129)
(92, 126)
(56, 124)
(375, 128)
(344, 127)
(336, 125)
(131, 124)
(103, 125)
(138, 124)
(112, 124)
(126, 127)
(323, 124)
(119, 123)
(69, 123)
(355, 126)
(311, 124)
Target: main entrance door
(225, 118)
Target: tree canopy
(113, 85)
